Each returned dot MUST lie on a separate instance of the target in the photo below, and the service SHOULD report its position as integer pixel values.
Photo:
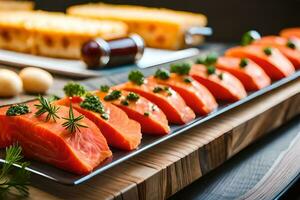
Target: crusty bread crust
(53, 34)
(160, 28)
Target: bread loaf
(160, 28)
(53, 34)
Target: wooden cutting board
(166, 168)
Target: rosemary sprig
(72, 124)
(17, 179)
(46, 107)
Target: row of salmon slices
(75, 133)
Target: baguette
(53, 34)
(160, 28)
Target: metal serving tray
(119, 156)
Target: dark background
(228, 18)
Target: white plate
(76, 68)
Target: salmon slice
(48, 141)
(169, 101)
(252, 76)
(196, 96)
(152, 119)
(276, 65)
(221, 84)
(5, 132)
(119, 131)
(288, 47)
(290, 32)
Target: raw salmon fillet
(226, 88)
(170, 102)
(79, 152)
(152, 119)
(276, 65)
(289, 47)
(119, 131)
(290, 32)
(196, 96)
(252, 76)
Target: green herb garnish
(72, 124)
(132, 96)
(157, 89)
(181, 68)
(268, 51)
(249, 37)
(92, 103)
(74, 89)
(46, 107)
(104, 88)
(105, 116)
(210, 59)
(16, 179)
(136, 77)
(162, 74)
(167, 89)
(221, 76)
(291, 44)
(125, 102)
(187, 79)
(115, 94)
(153, 108)
(19, 109)
(244, 62)
(211, 70)
(146, 114)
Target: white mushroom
(10, 83)
(36, 80)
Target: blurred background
(229, 19)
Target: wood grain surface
(166, 168)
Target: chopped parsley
(291, 44)
(136, 77)
(167, 89)
(146, 114)
(268, 51)
(211, 70)
(221, 76)
(187, 79)
(74, 89)
(132, 96)
(125, 102)
(162, 74)
(104, 88)
(105, 116)
(19, 109)
(244, 62)
(249, 37)
(92, 103)
(181, 68)
(210, 59)
(114, 95)
(157, 89)
(153, 108)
